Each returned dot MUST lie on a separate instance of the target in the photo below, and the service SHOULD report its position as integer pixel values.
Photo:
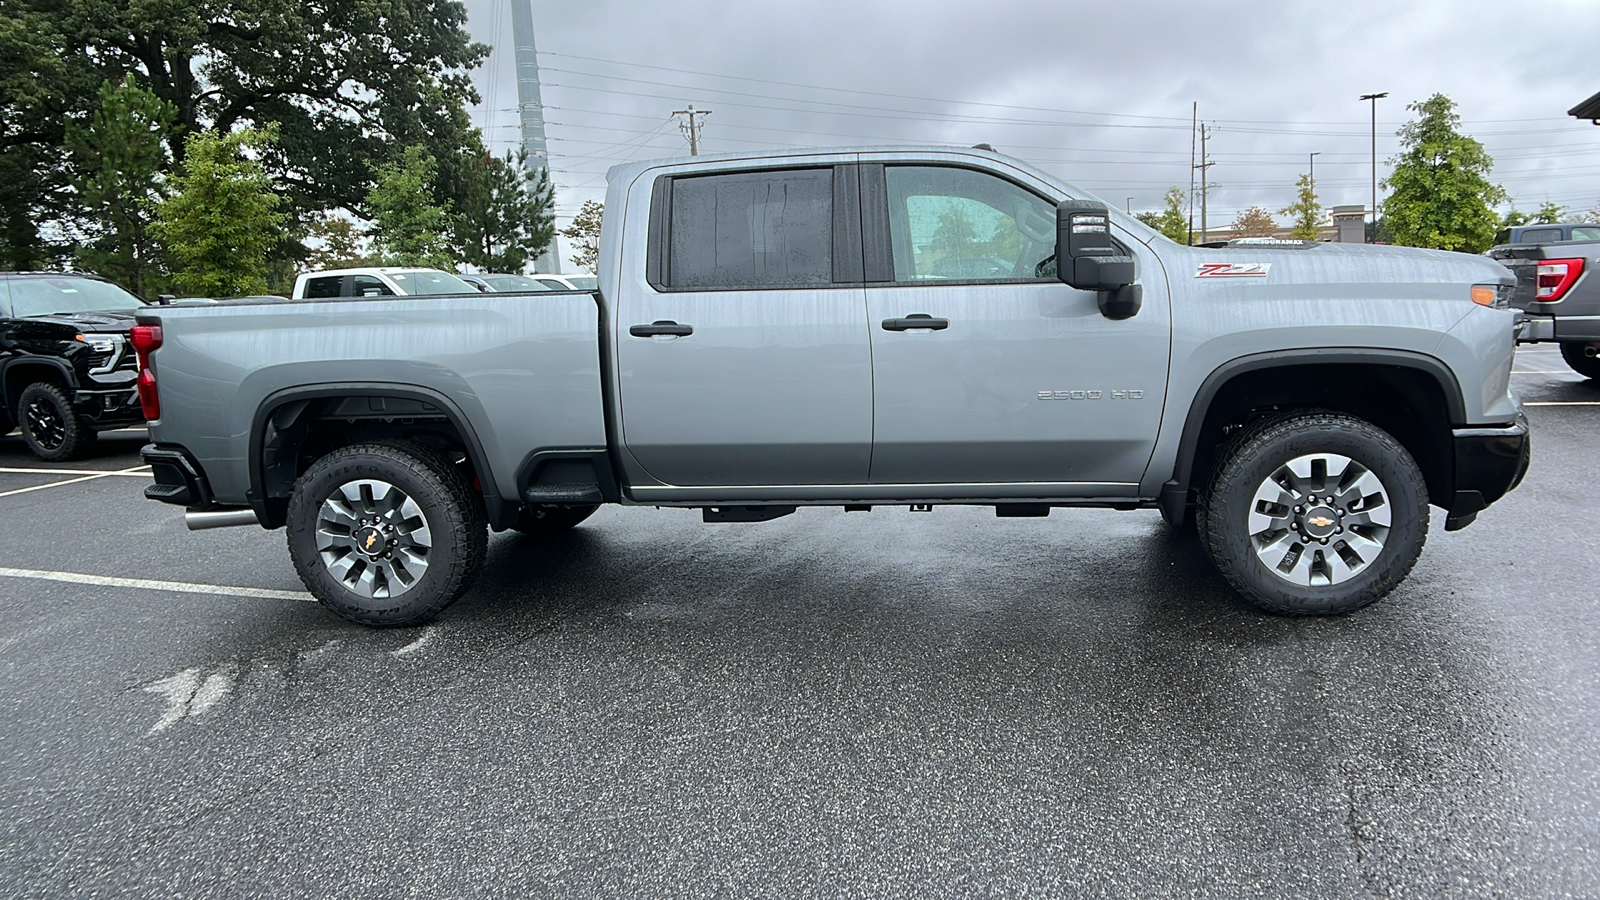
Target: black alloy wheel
(52, 430)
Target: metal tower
(531, 107)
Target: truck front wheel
(1314, 513)
(385, 533)
(50, 426)
(1577, 356)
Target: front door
(1012, 376)
(748, 361)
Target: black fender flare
(7, 366)
(499, 512)
(1175, 493)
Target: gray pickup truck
(858, 328)
(1560, 297)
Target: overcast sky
(1098, 93)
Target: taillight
(146, 338)
(1556, 276)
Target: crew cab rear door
(986, 368)
(743, 356)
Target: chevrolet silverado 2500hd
(858, 328)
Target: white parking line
(134, 472)
(139, 472)
(146, 584)
(1538, 372)
(1562, 403)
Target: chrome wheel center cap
(1320, 522)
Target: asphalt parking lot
(830, 704)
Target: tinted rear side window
(323, 288)
(1591, 233)
(1540, 236)
(752, 229)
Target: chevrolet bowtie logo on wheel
(1322, 521)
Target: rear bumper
(1490, 462)
(179, 479)
(1533, 328)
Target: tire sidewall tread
(79, 436)
(1258, 450)
(452, 509)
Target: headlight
(1494, 296)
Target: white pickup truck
(382, 281)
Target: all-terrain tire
(342, 509)
(1237, 526)
(52, 429)
(1587, 366)
(544, 521)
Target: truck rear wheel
(51, 427)
(1314, 513)
(1576, 355)
(546, 520)
(385, 533)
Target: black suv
(66, 369)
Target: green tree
(39, 90)
(584, 233)
(1305, 212)
(506, 213)
(1549, 213)
(340, 243)
(1440, 194)
(1171, 220)
(117, 159)
(1255, 222)
(220, 226)
(346, 82)
(408, 227)
(1514, 217)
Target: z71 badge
(1233, 270)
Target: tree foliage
(222, 222)
(1171, 220)
(1255, 222)
(584, 233)
(117, 160)
(506, 213)
(1440, 194)
(1305, 213)
(345, 83)
(408, 227)
(339, 243)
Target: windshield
(429, 281)
(514, 283)
(67, 294)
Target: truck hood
(115, 321)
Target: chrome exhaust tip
(219, 518)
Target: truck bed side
(523, 371)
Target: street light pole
(1314, 170)
(1374, 98)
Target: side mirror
(1089, 260)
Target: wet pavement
(829, 704)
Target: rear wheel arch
(294, 427)
(1413, 397)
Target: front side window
(368, 286)
(949, 224)
(752, 229)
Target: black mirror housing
(1089, 260)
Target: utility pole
(1194, 116)
(1374, 98)
(530, 109)
(1204, 164)
(1314, 170)
(692, 127)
